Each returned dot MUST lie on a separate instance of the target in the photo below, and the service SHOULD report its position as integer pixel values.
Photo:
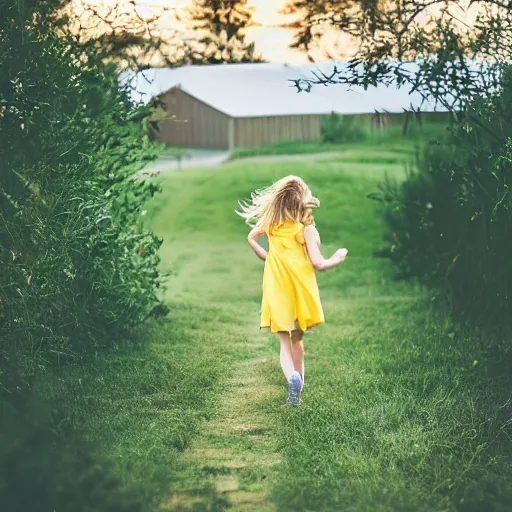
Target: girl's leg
(298, 352)
(288, 366)
(285, 356)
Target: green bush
(340, 129)
(78, 268)
(450, 222)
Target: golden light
(270, 34)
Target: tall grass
(77, 266)
(79, 271)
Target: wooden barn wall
(196, 124)
(259, 131)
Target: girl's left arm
(256, 247)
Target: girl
(291, 301)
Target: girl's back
(290, 291)
(291, 300)
(288, 240)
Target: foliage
(128, 33)
(222, 25)
(78, 267)
(337, 128)
(452, 59)
(452, 218)
(314, 16)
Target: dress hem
(295, 328)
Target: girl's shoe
(294, 389)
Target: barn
(246, 105)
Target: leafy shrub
(336, 128)
(78, 268)
(451, 220)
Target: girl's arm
(319, 262)
(256, 247)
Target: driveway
(193, 158)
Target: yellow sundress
(291, 299)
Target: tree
(79, 269)
(127, 33)
(317, 15)
(455, 57)
(222, 25)
(449, 222)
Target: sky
(271, 40)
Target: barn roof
(263, 89)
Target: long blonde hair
(289, 199)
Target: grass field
(402, 410)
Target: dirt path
(192, 159)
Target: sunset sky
(271, 40)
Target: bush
(451, 220)
(78, 269)
(336, 128)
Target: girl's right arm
(256, 247)
(319, 262)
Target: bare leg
(285, 356)
(298, 352)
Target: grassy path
(232, 461)
(395, 415)
(237, 451)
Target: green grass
(287, 148)
(396, 414)
(399, 415)
(390, 136)
(139, 405)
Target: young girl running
(291, 301)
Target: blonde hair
(289, 199)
